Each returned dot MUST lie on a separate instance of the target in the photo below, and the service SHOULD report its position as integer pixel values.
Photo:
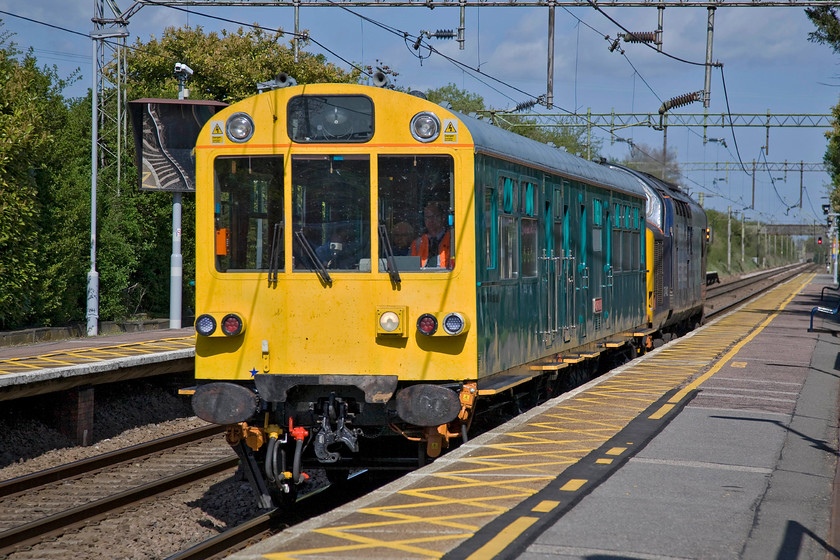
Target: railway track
(269, 523)
(723, 297)
(38, 507)
(42, 505)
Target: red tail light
(427, 324)
(231, 325)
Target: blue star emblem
(253, 372)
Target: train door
(598, 271)
(530, 292)
(607, 284)
(569, 268)
(582, 276)
(552, 270)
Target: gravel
(125, 414)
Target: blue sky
(768, 64)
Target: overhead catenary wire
(403, 34)
(475, 72)
(731, 125)
(663, 52)
(304, 36)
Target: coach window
(528, 227)
(331, 212)
(637, 245)
(490, 228)
(615, 237)
(248, 210)
(416, 206)
(508, 230)
(560, 229)
(626, 235)
(597, 224)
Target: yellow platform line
(456, 501)
(682, 393)
(504, 538)
(77, 356)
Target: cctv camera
(183, 69)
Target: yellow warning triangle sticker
(450, 128)
(217, 129)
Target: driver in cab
(434, 247)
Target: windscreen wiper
(274, 255)
(385, 243)
(320, 269)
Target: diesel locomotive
(372, 267)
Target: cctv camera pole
(176, 261)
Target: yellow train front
(341, 232)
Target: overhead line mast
(111, 30)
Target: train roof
(662, 187)
(492, 140)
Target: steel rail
(743, 281)
(85, 466)
(783, 274)
(317, 502)
(40, 530)
(260, 526)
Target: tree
(827, 23)
(227, 66)
(561, 135)
(32, 116)
(45, 176)
(572, 138)
(459, 99)
(135, 234)
(654, 161)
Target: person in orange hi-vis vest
(434, 247)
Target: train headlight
(239, 127)
(232, 324)
(425, 127)
(427, 324)
(389, 321)
(205, 325)
(453, 324)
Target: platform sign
(165, 131)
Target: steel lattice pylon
(108, 125)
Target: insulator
(680, 100)
(525, 105)
(640, 37)
(444, 34)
